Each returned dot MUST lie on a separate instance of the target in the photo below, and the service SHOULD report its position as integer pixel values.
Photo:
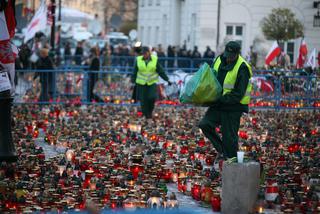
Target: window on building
(158, 2)
(229, 30)
(142, 3)
(150, 3)
(236, 32)
(239, 30)
(288, 47)
(290, 50)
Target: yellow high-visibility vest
(147, 74)
(231, 77)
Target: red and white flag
(303, 51)
(263, 84)
(312, 59)
(273, 53)
(38, 22)
(50, 15)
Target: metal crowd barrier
(171, 63)
(112, 85)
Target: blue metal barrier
(111, 85)
(170, 63)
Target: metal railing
(111, 85)
(187, 64)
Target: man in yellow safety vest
(234, 74)
(146, 74)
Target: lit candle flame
(260, 210)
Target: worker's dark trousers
(7, 150)
(230, 122)
(147, 94)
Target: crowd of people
(124, 55)
(112, 55)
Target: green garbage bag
(202, 88)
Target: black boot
(7, 150)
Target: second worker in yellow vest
(146, 74)
(234, 75)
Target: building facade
(105, 9)
(213, 22)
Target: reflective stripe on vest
(147, 74)
(231, 77)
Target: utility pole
(218, 24)
(59, 27)
(53, 27)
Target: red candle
(192, 156)
(201, 143)
(135, 170)
(35, 133)
(272, 191)
(167, 175)
(206, 194)
(196, 191)
(184, 150)
(182, 186)
(216, 203)
(209, 160)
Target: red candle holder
(201, 143)
(166, 175)
(272, 191)
(206, 194)
(196, 191)
(209, 160)
(216, 203)
(184, 150)
(182, 185)
(135, 170)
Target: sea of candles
(113, 157)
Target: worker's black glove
(169, 83)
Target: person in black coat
(67, 53)
(171, 53)
(78, 54)
(209, 55)
(94, 66)
(47, 79)
(196, 56)
(24, 55)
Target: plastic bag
(202, 88)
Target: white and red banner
(273, 53)
(38, 22)
(50, 15)
(303, 52)
(263, 84)
(4, 33)
(312, 59)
